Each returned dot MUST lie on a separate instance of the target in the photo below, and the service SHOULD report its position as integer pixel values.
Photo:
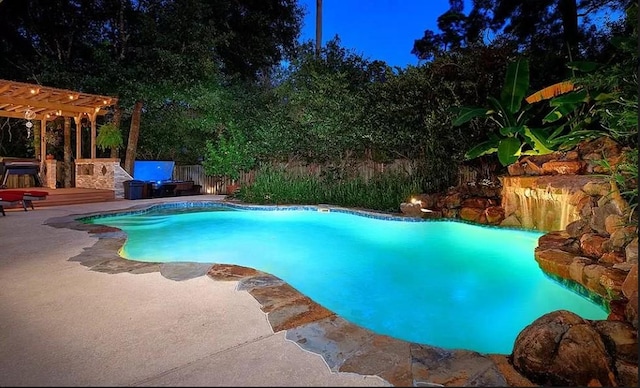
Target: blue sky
(375, 29)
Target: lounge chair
(26, 196)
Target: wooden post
(43, 142)
(66, 166)
(79, 139)
(37, 139)
(93, 136)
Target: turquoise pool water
(444, 283)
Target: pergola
(36, 102)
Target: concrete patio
(62, 324)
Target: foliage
(571, 116)
(229, 155)
(613, 106)
(574, 116)
(52, 137)
(179, 119)
(315, 112)
(456, 33)
(613, 87)
(275, 186)
(14, 140)
(624, 175)
(540, 27)
(604, 99)
(409, 114)
(109, 136)
(514, 137)
(602, 103)
(180, 40)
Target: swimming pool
(442, 283)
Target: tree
(453, 25)
(176, 38)
(143, 50)
(544, 28)
(316, 114)
(542, 24)
(525, 19)
(134, 134)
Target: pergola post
(93, 136)
(67, 152)
(43, 142)
(78, 142)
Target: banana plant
(514, 138)
(574, 110)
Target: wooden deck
(70, 196)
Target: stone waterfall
(545, 203)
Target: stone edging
(344, 346)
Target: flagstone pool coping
(345, 347)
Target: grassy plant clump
(383, 193)
(626, 177)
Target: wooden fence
(216, 185)
(364, 169)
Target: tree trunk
(134, 133)
(67, 151)
(569, 14)
(318, 27)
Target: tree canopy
(540, 25)
(108, 44)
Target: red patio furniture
(26, 196)
(9, 200)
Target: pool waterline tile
(227, 205)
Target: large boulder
(562, 349)
(555, 261)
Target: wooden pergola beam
(20, 103)
(46, 104)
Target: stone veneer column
(50, 176)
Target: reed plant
(383, 192)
